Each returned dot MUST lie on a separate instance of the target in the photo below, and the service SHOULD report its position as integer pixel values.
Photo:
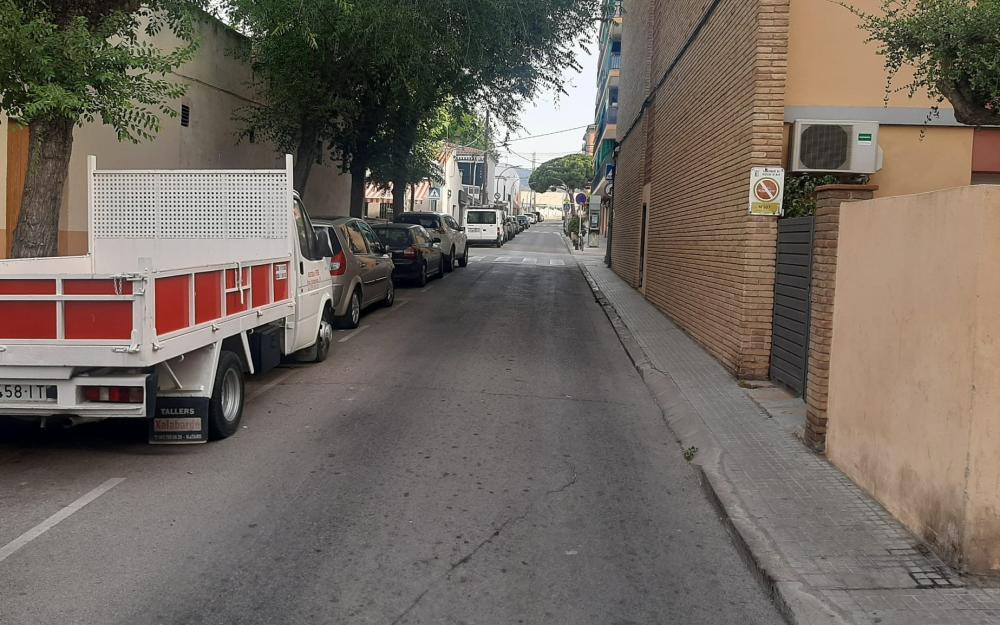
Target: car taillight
(410, 252)
(114, 394)
(338, 264)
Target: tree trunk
(359, 177)
(398, 196)
(49, 149)
(305, 158)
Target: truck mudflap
(179, 421)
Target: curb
(797, 602)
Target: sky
(546, 115)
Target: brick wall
(710, 266)
(824, 276)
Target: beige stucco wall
(920, 159)
(218, 84)
(829, 63)
(915, 365)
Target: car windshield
(481, 217)
(427, 221)
(394, 237)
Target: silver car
(360, 267)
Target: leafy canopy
(574, 170)
(82, 59)
(953, 47)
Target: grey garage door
(790, 338)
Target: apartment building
(709, 90)
(606, 107)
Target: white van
(484, 225)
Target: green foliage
(80, 60)
(953, 47)
(365, 79)
(574, 170)
(800, 193)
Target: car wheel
(449, 261)
(464, 260)
(390, 296)
(225, 408)
(422, 276)
(440, 271)
(352, 317)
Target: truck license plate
(23, 393)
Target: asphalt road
(481, 453)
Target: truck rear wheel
(225, 409)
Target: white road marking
(529, 261)
(398, 305)
(353, 334)
(270, 385)
(557, 262)
(426, 288)
(13, 546)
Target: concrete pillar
(824, 274)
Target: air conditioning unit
(842, 147)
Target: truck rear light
(114, 394)
(338, 264)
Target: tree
(387, 66)
(64, 62)
(576, 171)
(952, 46)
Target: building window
(185, 115)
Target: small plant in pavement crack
(690, 453)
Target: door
(313, 282)
(792, 289)
(362, 261)
(382, 262)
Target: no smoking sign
(767, 186)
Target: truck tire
(225, 408)
(352, 318)
(325, 338)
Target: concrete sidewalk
(827, 551)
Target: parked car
(484, 225)
(414, 253)
(539, 216)
(525, 221)
(511, 229)
(361, 270)
(531, 218)
(454, 242)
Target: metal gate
(790, 337)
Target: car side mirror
(323, 247)
(436, 240)
(461, 228)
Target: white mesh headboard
(180, 219)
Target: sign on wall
(767, 190)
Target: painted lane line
(353, 334)
(398, 305)
(270, 385)
(13, 546)
(425, 289)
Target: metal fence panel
(790, 337)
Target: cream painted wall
(829, 63)
(217, 87)
(940, 159)
(915, 365)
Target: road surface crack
(461, 561)
(568, 484)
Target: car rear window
(480, 217)
(395, 238)
(334, 239)
(424, 220)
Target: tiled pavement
(821, 533)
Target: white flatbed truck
(193, 279)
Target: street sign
(434, 194)
(767, 189)
(497, 196)
(581, 198)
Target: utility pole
(533, 155)
(483, 199)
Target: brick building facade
(701, 103)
